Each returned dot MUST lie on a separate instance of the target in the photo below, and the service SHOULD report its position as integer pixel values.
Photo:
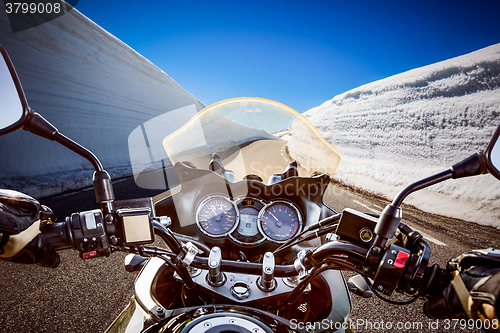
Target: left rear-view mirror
(13, 106)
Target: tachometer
(280, 221)
(216, 216)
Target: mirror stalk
(103, 188)
(426, 182)
(472, 166)
(38, 125)
(390, 218)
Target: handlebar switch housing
(390, 269)
(87, 234)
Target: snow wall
(94, 88)
(409, 126)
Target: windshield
(252, 136)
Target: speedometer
(280, 221)
(216, 216)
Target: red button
(88, 255)
(401, 259)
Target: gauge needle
(274, 216)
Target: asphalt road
(447, 238)
(85, 296)
(79, 295)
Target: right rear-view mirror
(493, 154)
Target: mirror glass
(495, 155)
(11, 108)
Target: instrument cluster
(248, 221)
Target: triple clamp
(191, 252)
(299, 265)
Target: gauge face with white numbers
(279, 221)
(216, 216)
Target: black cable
(330, 264)
(181, 271)
(154, 251)
(176, 265)
(323, 223)
(205, 249)
(308, 237)
(389, 300)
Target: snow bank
(93, 88)
(409, 126)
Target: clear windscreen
(252, 136)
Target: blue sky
(300, 53)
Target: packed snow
(412, 125)
(94, 88)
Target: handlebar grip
(55, 235)
(437, 279)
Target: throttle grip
(55, 235)
(435, 281)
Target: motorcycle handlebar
(348, 257)
(61, 236)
